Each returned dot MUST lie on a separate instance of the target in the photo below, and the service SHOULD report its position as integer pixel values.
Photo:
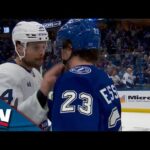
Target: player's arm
(36, 105)
(32, 108)
(38, 111)
(11, 93)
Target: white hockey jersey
(19, 87)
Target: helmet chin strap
(65, 62)
(24, 52)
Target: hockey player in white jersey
(21, 84)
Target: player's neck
(76, 61)
(19, 62)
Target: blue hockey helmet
(83, 33)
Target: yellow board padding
(138, 110)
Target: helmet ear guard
(28, 32)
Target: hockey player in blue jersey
(84, 98)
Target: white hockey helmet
(28, 32)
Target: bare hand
(50, 78)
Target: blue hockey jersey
(85, 99)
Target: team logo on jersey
(29, 84)
(81, 70)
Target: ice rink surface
(135, 121)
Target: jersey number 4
(71, 96)
(7, 95)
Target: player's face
(35, 52)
